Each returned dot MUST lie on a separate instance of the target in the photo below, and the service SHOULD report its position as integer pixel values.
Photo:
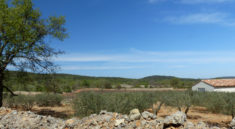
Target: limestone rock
(148, 115)
(232, 124)
(176, 119)
(135, 114)
(119, 122)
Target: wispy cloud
(155, 1)
(192, 1)
(204, 1)
(99, 67)
(139, 59)
(202, 18)
(139, 56)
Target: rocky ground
(12, 119)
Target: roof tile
(220, 82)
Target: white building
(219, 85)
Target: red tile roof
(220, 82)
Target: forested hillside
(24, 81)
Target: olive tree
(23, 34)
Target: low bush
(87, 103)
(48, 99)
(21, 101)
(92, 102)
(26, 102)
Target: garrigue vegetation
(26, 102)
(86, 103)
(92, 102)
(58, 83)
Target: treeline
(58, 83)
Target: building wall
(203, 85)
(225, 89)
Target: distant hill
(226, 77)
(157, 77)
(68, 82)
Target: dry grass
(197, 114)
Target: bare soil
(197, 114)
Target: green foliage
(26, 102)
(175, 82)
(107, 85)
(23, 39)
(85, 83)
(118, 87)
(48, 100)
(92, 102)
(21, 101)
(67, 83)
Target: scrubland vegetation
(93, 102)
(26, 102)
(58, 83)
(87, 103)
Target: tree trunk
(179, 108)
(158, 109)
(1, 88)
(186, 110)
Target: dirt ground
(197, 114)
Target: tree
(22, 38)
(107, 85)
(52, 83)
(174, 82)
(85, 84)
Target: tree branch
(12, 93)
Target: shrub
(48, 99)
(26, 102)
(87, 103)
(20, 101)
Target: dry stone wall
(12, 119)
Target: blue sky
(137, 38)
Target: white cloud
(192, 1)
(139, 59)
(82, 58)
(202, 18)
(98, 67)
(139, 56)
(204, 1)
(154, 1)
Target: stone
(215, 127)
(202, 125)
(148, 115)
(189, 125)
(103, 112)
(232, 123)
(107, 118)
(134, 114)
(119, 122)
(12, 119)
(176, 119)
